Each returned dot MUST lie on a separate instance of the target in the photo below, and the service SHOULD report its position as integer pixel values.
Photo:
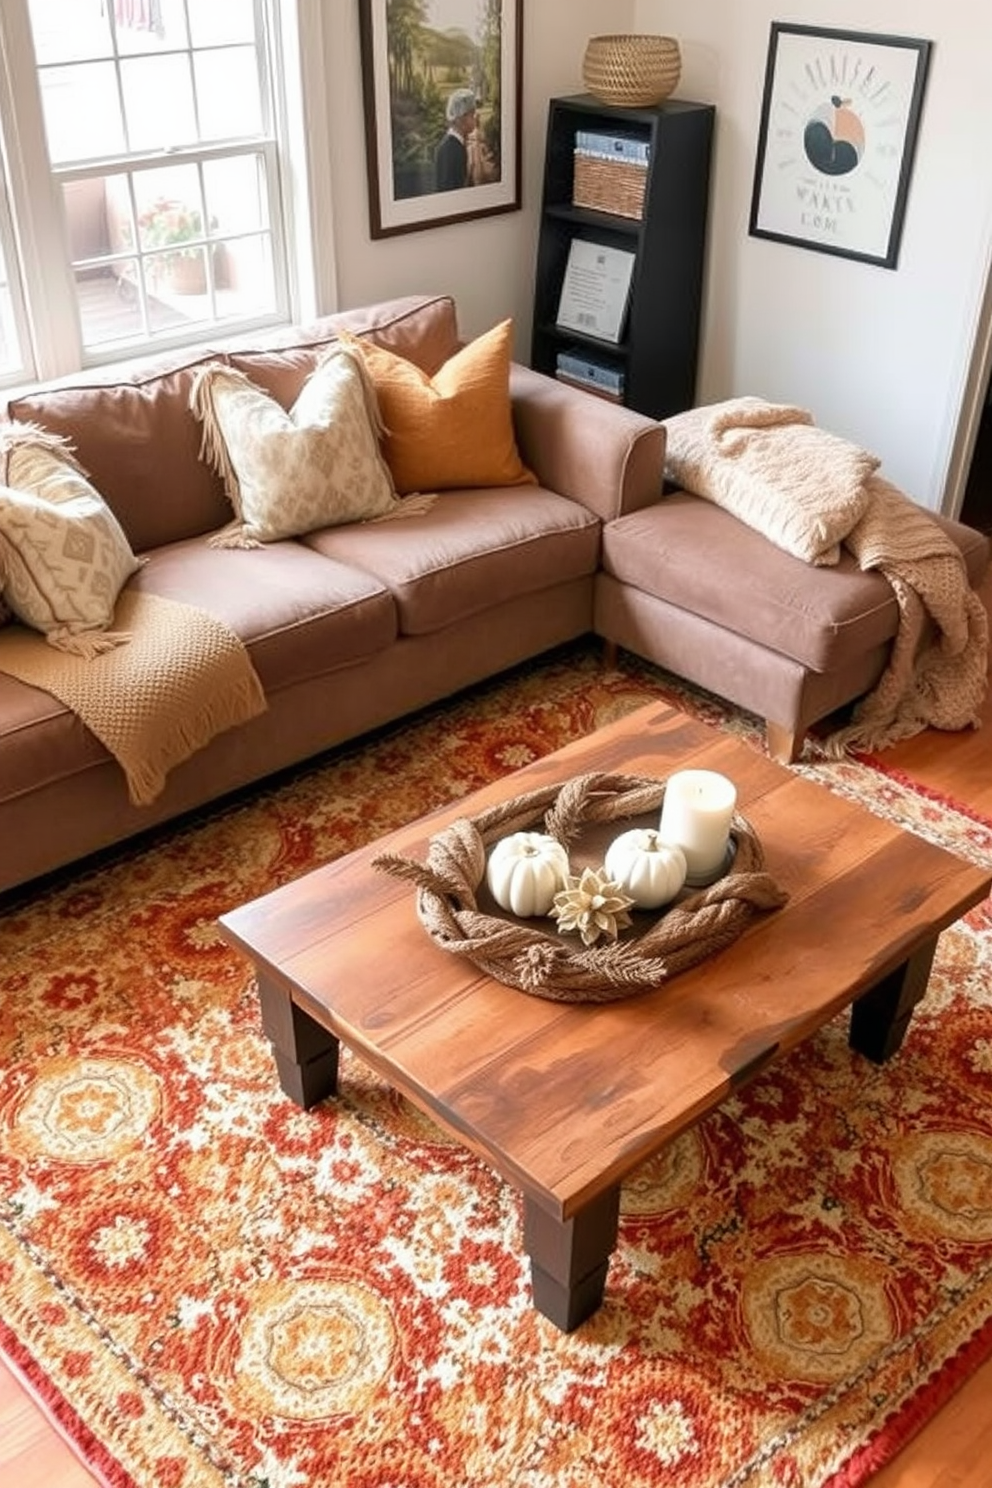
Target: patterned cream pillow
(286, 474)
(63, 553)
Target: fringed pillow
(63, 554)
(287, 474)
(454, 429)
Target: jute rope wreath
(546, 964)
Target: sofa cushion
(472, 550)
(704, 560)
(452, 430)
(300, 615)
(699, 557)
(287, 473)
(422, 329)
(139, 442)
(63, 555)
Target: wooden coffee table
(565, 1100)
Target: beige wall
(880, 356)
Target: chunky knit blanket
(810, 492)
(183, 678)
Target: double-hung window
(142, 166)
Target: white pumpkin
(525, 872)
(651, 871)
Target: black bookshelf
(658, 348)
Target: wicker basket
(609, 185)
(632, 70)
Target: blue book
(586, 369)
(612, 147)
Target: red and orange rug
(207, 1286)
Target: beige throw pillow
(63, 554)
(287, 474)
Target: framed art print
(839, 120)
(441, 84)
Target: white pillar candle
(695, 815)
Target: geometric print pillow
(289, 473)
(63, 554)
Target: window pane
(169, 206)
(108, 309)
(236, 195)
(69, 30)
(158, 102)
(148, 25)
(82, 115)
(214, 22)
(178, 279)
(246, 277)
(88, 219)
(227, 91)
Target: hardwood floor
(953, 1451)
(32, 1454)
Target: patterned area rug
(207, 1286)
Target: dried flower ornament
(592, 905)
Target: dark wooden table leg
(880, 1016)
(569, 1258)
(306, 1054)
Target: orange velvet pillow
(452, 429)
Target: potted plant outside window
(163, 228)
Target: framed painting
(839, 120)
(441, 81)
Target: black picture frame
(840, 115)
(410, 69)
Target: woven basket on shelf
(632, 70)
(615, 186)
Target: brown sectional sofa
(352, 627)
(349, 628)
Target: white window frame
(34, 232)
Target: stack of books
(591, 375)
(612, 146)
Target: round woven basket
(632, 70)
(452, 902)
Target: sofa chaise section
(691, 588)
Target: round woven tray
(632, 70)
(583, 814)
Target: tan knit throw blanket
(182, 678)
(937, 672)
(808, 491)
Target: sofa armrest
(599, 453)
